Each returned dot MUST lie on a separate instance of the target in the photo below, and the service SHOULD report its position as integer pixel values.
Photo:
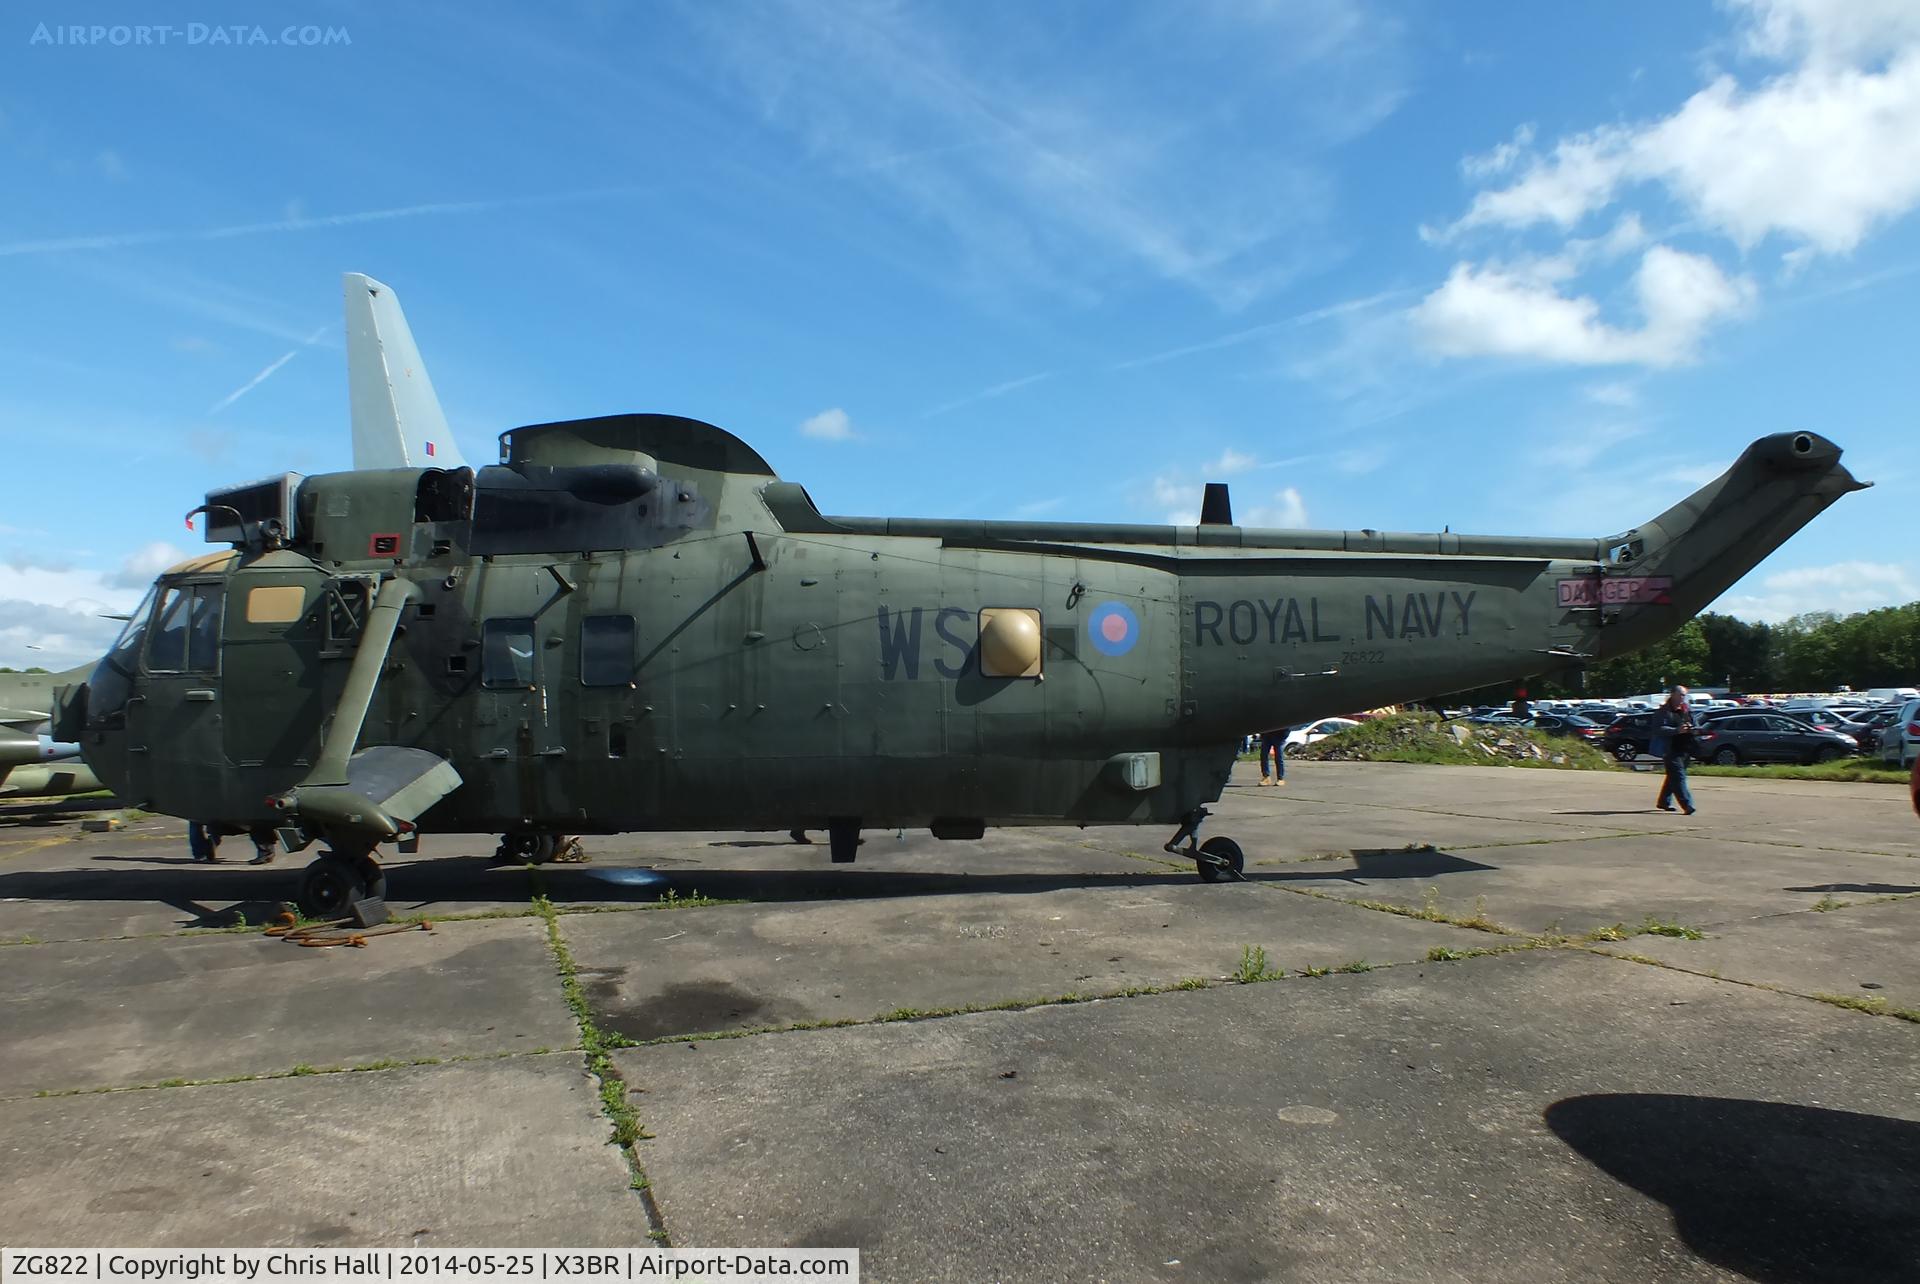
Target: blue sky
(1522, 269)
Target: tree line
(1817, 651)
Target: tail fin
(397, 422)
(1699, 548)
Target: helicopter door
(275, 681)
(173, 725)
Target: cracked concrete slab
(1533, 1115)
(747, 966)
(509, 1153)
(118, 1013)
(1863, 952)
(1576, 885)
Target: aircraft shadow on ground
(1783, 1194)
(212, 895)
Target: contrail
(987, 394)
(123, 240)
(1254, 332)
(265, 374)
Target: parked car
(1628, 736)
(1569, 724)
(1900, 740)
(1300, 737)
(1767, 737)
(1862, 740)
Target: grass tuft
(1253, 966)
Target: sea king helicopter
(632, 623)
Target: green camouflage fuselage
(782, 668)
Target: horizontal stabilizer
(397, 421)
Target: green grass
(1253, 966)
(1651, 926)
(598, 1044)
(1868, 770)
(1875, 1006)
(1426, 738)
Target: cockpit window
(112, 680)
(186, 630)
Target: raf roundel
(1113, 628)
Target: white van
(1890, 695)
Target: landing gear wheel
(1219, 858)
(1625, 752)
(534, 849)
(330, 886)
(1728, 757)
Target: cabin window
(506, 653)
(276, 604)
(606, 651)
(186, 635)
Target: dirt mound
(1425, 737)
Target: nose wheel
(343, 886)
(1217, 860)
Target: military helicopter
(32, 763)
(633, 623)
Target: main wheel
(330, 885)
(1727, 757)
(1227, 860)
(1625, 751)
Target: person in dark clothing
(1274, 742)
(1674, 738)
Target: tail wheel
(1220, 858)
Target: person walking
(1275, 743)
(1674, 737)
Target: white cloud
(1502, 158)
(1286, 511)
(828, 425)
(1843, 587)
(1821, 154)
(1827, 32)
(144, 563)
(1496, 311)
(1618, 394)
(1179, 499)
(59, 612)
(1230, 462)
